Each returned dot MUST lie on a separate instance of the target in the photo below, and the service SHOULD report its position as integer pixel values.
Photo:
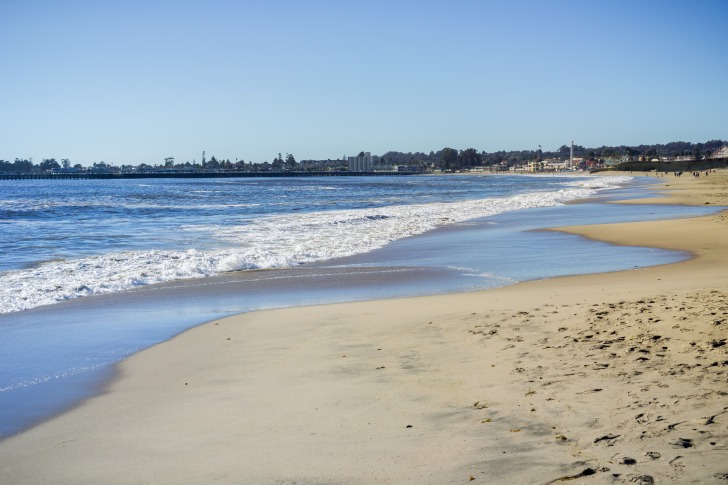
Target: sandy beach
(608, 378)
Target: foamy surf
(273, 241)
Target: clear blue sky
(137, 81)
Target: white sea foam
(277, 241)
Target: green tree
(213, 163)
(449, 157)
(290, 162)
(23, 166)
(49, 164)
(470, 157)
(632, 153)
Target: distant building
(721, 152)
(555, 165)
(322, 165)
(406, 168)
(611, 161)
(361, 163)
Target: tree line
(452, 159)
(444, 159)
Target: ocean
(93, 271)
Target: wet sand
(610, 378)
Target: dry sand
(611, 378)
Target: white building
(721, 152)
(555, 165)
(361, 163)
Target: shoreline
(305, 394)
(153, 314)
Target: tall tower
(571, 155)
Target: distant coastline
(674, 156)
(677, 166)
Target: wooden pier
(170, 174)
(43, 176)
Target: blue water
(93, 271)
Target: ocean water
(69, 239)
(93, 271)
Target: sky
(136, 81)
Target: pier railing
(169, 174)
